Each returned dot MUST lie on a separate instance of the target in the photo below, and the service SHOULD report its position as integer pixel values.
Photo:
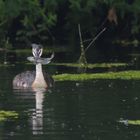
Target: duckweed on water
(130, 122)
(4, 115)
(124, 75)
(91, 66)
(7, 65)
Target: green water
(71, 110)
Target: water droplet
(77, 84)
(11, 133)
(136, 98)
(83, 136)
(72, 89)
(63, 125)
(125, 122)
(70, 129)
(124, 100)
(117, 128)
(136, 134)
(110, 85)
(79, 126)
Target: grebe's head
(37, 50)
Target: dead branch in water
(95, 38)
(82, 58)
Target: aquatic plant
(4, 115)
(130, 122)
(124, 75)
(91, 66)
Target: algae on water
(123, 75)
(4, 115)
(130, 122)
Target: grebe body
(37, 78)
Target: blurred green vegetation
(54, 23)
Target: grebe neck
(39, 81)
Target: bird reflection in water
(37, 116)
(30, 103)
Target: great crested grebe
(38, 78)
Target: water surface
(71, 110)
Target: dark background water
(71, 110)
